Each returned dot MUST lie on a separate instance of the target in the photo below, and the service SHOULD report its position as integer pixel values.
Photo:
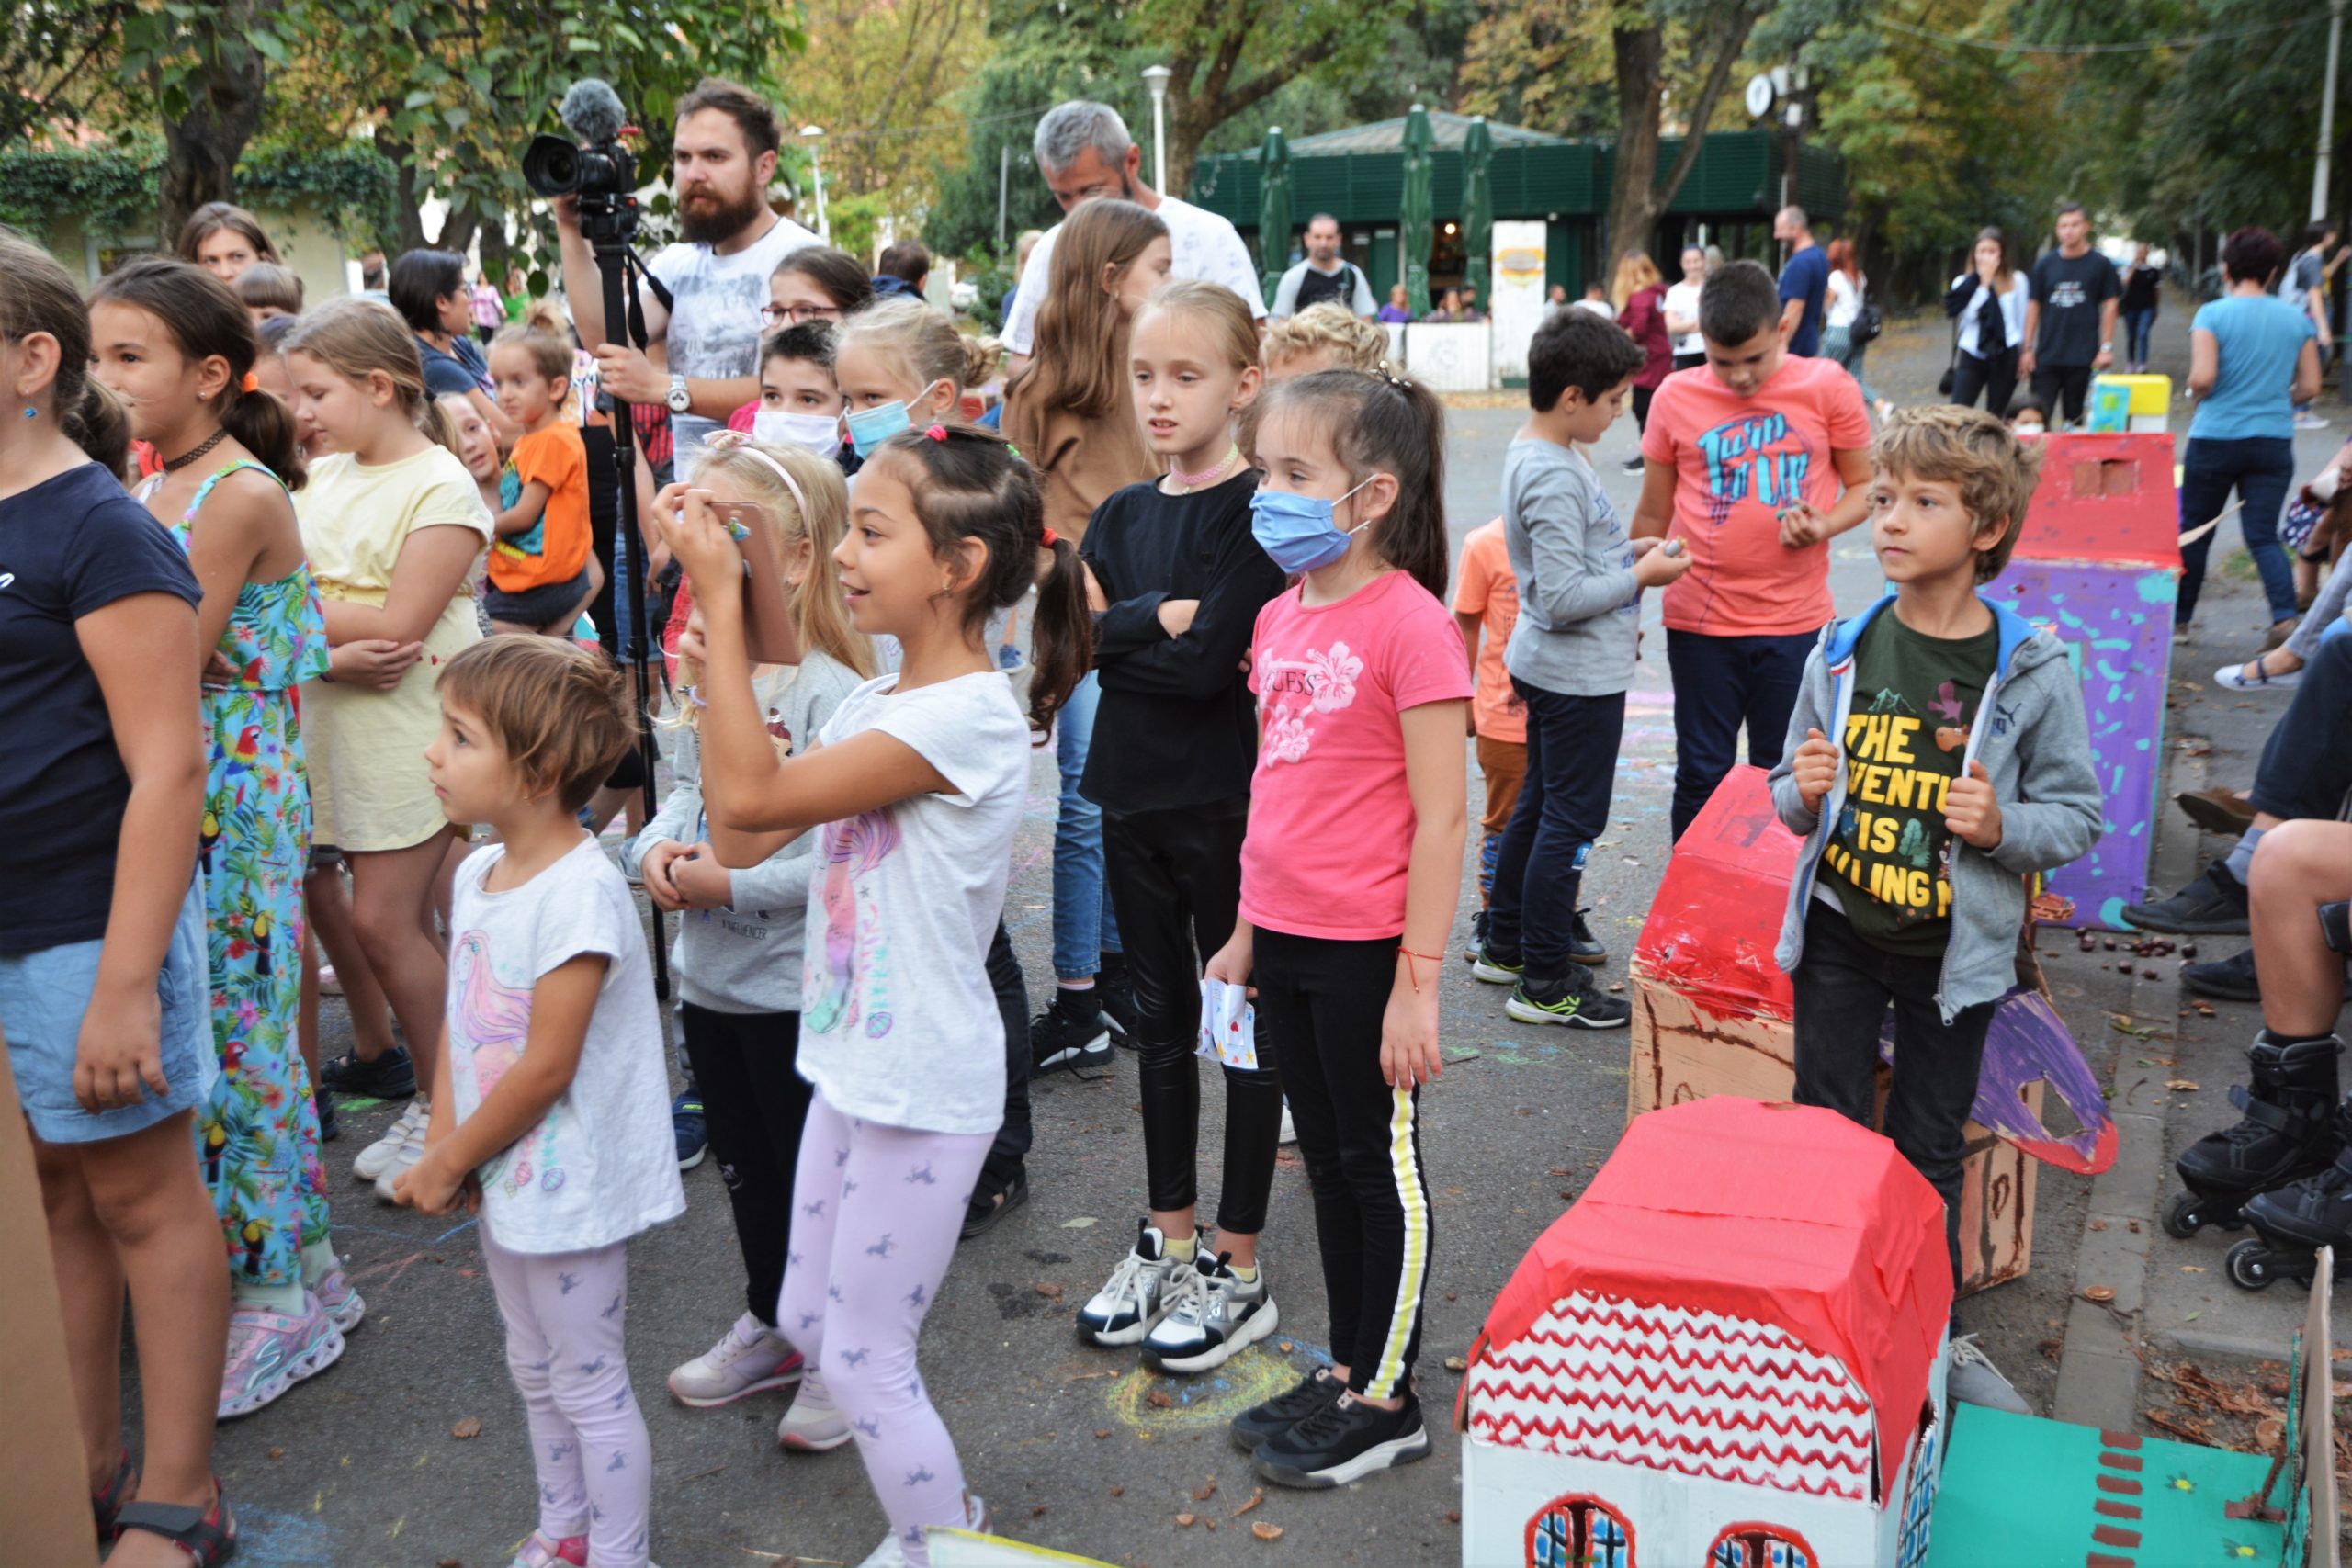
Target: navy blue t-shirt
(1806, 278)
(461, 371)
(68, 547)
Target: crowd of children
(1234, 550)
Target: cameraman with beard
(702, 356)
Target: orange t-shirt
(1738, 461)
(1485, 587)
(554, 549)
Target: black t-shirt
(2070, 291)
(2140, 288)
(68, 547)
(1177, 725)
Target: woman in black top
(2141, 284)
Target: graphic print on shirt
(1889, 841)
(855, 979)
(1755, 457)
(1292, 690)
(2068, 293)
(493, 1022)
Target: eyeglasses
(787, 315)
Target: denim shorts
(42, 996)
(535, 606)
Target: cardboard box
(1730, 1352)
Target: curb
(2098, 1371)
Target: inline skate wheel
(2183, 1219)
(2249, 1265)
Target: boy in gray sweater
(1962, 764)
(1571, 659)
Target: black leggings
(1360, 1140)
(1175, 881)
(1011, 1150)
(1642, 396)
(1995, 380)
(755, 1101)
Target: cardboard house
(1729, 1353)
(1712, 1015)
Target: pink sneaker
(341, 1299)
(269, 1352)
(543, 1550)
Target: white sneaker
(411, 1150)
(2234, 677)
(2309, 421)
(1289, 1134)
(1210, 1316)
(749, 1358)
(814, 1424)
(373, 1160)
(1972, 1379)
(1132, 1301)
(892, 1552)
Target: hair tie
(736, 441)
(937, 433)
(252, 383)
(1049, 540)
(1390, 375)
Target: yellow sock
(1247, 1276)
(1182, 1251)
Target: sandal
(991, 1201)
(105, 1507)
(209, 1536)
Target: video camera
(596, 167)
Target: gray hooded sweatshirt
(2033, 739)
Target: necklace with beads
(1187, 483)
(174, 465)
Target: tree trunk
(411, 236)
(1637, 194)
(496, 256)
(458, 226)
(224, 99)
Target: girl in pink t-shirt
(1350, 876)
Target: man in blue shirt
(1805, 282)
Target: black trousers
(1361, 1141)
(755, 1101)
(1642, 396)
(1012, 1137)
(1844, 986)
(2068, 383)
(1175, 881)
(1572, 744)
(2306, 768)
(1996, 378)
(1720, 684)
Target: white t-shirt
(897, 1022)
(715, 314)
(1682, 299)
(1845, 298)
(602, 1165)
(1200, 244)
(2013, 305)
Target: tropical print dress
(257, 1139)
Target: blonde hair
(1973, 449)
(550, 355)
(922, 345)
(819, 605)
(560, 712)
(1635, 272)
(1353, 344)
(547, 316)
(355, 338)
(449, 440)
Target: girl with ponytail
(102, 964)
(393, 524)
(178, 347)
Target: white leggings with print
(878, 1209)
(564, 1312)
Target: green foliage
(112, 188)
(354, 187)
(855, 220)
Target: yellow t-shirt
(365, 748)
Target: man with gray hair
(1323, 277)
(1084, 151)
(1805, 282)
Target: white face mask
(819, 432)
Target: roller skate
(2288, 1132)
(2292, 1223)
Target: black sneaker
(1315, 1391)
(1116, 997)
(2224, 979)
(1071, 1034)
(1583, 946)
(1346, 1440)
(687, 1124)
(2214, 905)
(1477, 937)
(329, 1129)
(1578, 1001)
(1496, 967)
(391, 1076)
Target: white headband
(736, 441)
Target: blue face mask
(1296, 531)
(868, 428)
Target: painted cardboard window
(1579, 1531)
(1911, 1545)
(1761, 1546)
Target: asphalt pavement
(1079, 1450)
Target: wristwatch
(2103, 348)
(680, 398)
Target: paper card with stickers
(1229, 1025)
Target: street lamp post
(815, 135)
(2327, 111)
(1156, 78)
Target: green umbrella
(1478, 210)
(1415, 219)
(1273, 210)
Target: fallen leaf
(2193, 1316)
(2098, 1225)
(1616, 984)
(2192, 1268)
(468, 1428)
(1210, 1523)
(1080, 1224)
(1454, 1516)
(2183, 1084)
(277, 1453)
(1036, 1510)
(1118, 1490)
(1100, 1432)
(448, 1563)
(1257, 1496)
(1184, 1522)
(1457, 1364)
(1288, 1346)
(1159, 1399)
(1206, 1491)
(2100, 1293)
(1048, 1288)
(1265, 1531)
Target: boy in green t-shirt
(1962, 764)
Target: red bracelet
(1412, 974)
